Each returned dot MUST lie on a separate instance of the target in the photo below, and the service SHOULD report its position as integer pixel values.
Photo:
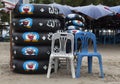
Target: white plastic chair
(62, 52)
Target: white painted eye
(45, 67)
(42, 10)
(41, 24)
(16, 38)
(43, 37)
(14, 66)
(14, 24)
(15, 52)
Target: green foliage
(46, 1)
(111, 2)
(4, 17)
(40, 1)
(1, 5)
(87, 2)
(79, 2)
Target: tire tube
(32, 38)
(31, 52)
(35, 10)
(72, 27)
(33, 24)
(30, 66)
(75, 17)
(75, 23)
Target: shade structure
(9, 4)
(4, 10)
(63, 9)
(93, 11)
(116, 9)
(74, 8)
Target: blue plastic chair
(84, 37)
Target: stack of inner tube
(33, 26)
(74, 23)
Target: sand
(111, 65)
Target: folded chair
(62, 52)
(84, 37)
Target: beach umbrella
(63, 9)
(74, 8)
(116, 9)
(93, 11)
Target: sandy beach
(111, 65)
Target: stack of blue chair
(117, 36)
(107, 37)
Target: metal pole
(11, 41)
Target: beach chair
(62, 51)
(84, 37)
